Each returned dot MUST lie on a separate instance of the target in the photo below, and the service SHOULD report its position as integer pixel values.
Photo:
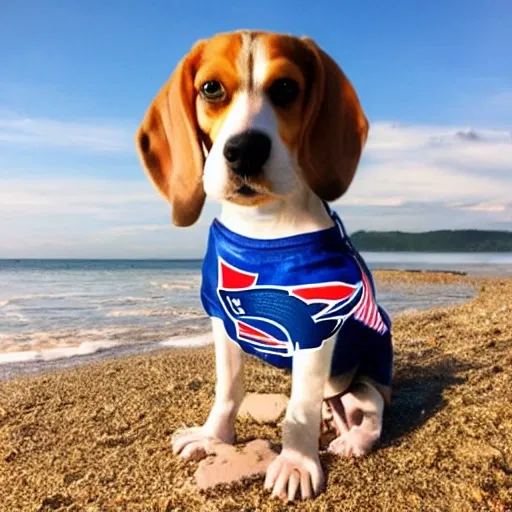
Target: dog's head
(248, 117)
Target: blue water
(46, 304)
(56, 309)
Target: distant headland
(469, 240)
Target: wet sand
(97, 437)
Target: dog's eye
(283, 92)
(212, 91)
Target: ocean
(58, 313)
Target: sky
(434, 79)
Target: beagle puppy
(269, 126)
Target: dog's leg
(361, 426)
(197, 442)
(298, 464)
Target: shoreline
(97, 437)
(49, 362)
(14, 364)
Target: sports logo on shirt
(281, 319)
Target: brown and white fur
(316, 143)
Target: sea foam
(51, 354)
(188, 341)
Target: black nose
(247, 152)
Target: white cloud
(138, 229)
(404, 163)
(52, 133)
(455, 146)
(408, 180)
(372, 201)
(412, 177)
(74, 196)
(88, 218)
(488, 207)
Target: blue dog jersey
(279, 296)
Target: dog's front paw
(194, 443)
(292, 471)
(356, 442)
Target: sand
(97, 437)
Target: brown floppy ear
(334, 128)
(169, 146)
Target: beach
(97, 436)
